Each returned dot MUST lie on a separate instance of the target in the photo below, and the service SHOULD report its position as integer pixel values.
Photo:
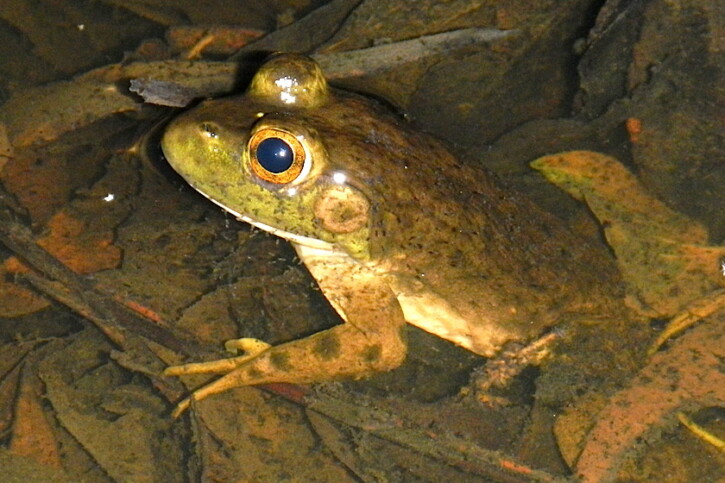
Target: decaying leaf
(663, 255)
(32, 434)
(687, 376)
(16, 300)
(120, 424)
(79, 246)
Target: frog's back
(455, 244)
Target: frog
(393, 227)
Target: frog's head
(277, 157)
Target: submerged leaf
(662, 254)
(687, 376)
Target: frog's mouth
(292, 237)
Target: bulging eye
(276, 156)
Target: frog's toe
(239, 376)
(221, 366)
(247, 345)
(181, 407)
(499, 371)
(250, 348)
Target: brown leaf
(8, 389)
(216, 39)
(79, 246)
(32, 433)
(16, 301)
(663, 255)
(687, 375)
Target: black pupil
(275, 155)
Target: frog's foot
(695, 311)
(345, 351)
(250, 347)
(500, 371)
(371, 339)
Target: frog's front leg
(370, 341)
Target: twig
(366, 415)
(454, 451)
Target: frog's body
(390, 224)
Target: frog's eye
(276, 156)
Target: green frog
(391, 225)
